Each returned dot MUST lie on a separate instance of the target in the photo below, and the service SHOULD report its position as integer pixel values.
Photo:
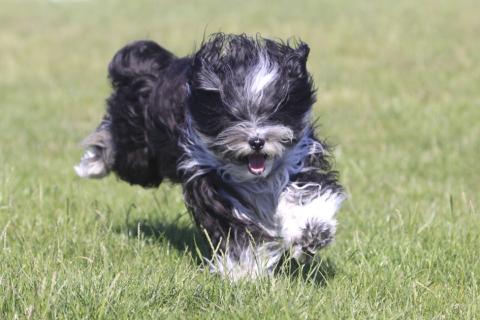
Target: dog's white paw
(308, 225)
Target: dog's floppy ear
(204, 93)
(210, 52)
(301, 92)
(296, 62)
(202, 77)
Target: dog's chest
(258, 201)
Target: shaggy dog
(233, 124)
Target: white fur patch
(295, 212)
(253, 262)
(91, 165)
(97, 161)
(263, 76)
(264, 73)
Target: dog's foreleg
(248, 261)
(307, 218)
(239, 251)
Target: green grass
(398, 95)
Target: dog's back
(137, 138)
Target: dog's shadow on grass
(319, 271)
(185, 238)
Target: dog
(232, 123)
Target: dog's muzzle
(256, 161)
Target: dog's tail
(133, 72)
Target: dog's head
(250, 100)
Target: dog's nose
(256, 143)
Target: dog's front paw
(307, 227)
(314, 236)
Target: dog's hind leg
(98, 159)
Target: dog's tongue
(256, 164)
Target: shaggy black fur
(144, 110)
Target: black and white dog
(232, 123)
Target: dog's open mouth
(256, 163)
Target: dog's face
(250, 101)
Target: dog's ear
(301, 91)
(210, 51)
(204, 96)
(296, 62)
(199, 60)
(202, 76)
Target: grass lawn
(398, 94)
